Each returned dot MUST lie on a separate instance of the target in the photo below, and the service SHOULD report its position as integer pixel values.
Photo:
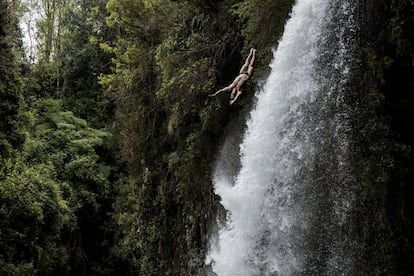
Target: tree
(83, 29)
(32, 216)
(47, 69)
(10, 82)
(55, 201)
(49, 28)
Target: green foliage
(59, 183)
(49, 29)
(56, 185)
(10, 83)
(41, 81)
(32, 215)
(264, 22)
(83, 61)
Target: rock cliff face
(383, 143)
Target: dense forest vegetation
(108, 138)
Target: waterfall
(289, 204)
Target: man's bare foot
(235, 98)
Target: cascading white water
(288, 205)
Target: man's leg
(231, 86)
(253, 57)
(250, 69)
(246, 64)
(221, 90)
(233, 93)
(239, 92)
(249, 56)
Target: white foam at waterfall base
(261, 211)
